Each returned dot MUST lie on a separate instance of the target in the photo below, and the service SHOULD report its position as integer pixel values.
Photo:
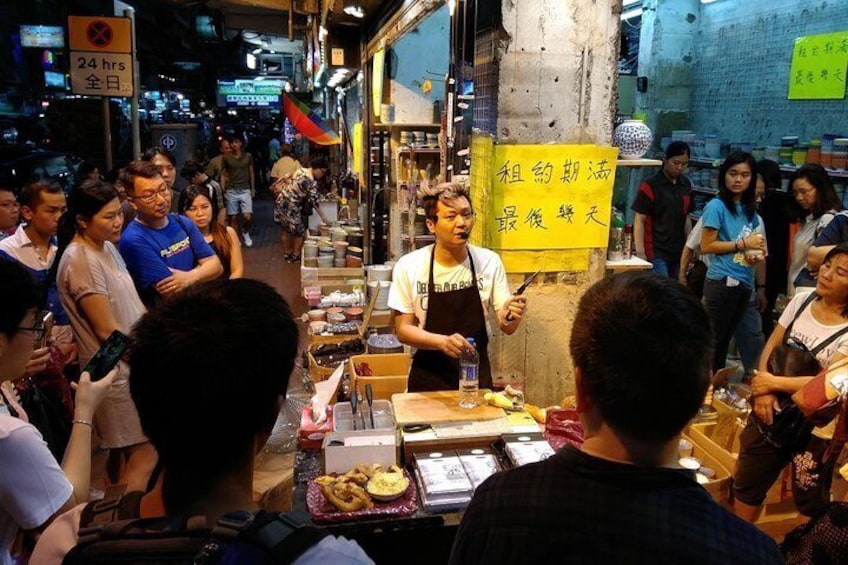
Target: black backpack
(111, 532)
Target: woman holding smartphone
(99, 296)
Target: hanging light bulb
(354, 8)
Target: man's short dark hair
(285, 150)
(151, 153)
(207, 369)
(31, 193)
(19, 293)
(676, 149)
(318, 162)
(191, 168)
(137, 168)
(644, 344)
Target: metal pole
(107, 133)
(136, 127)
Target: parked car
(20, 164)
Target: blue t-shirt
(150, 252)
(730, 228)
(835, 233)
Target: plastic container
(799, 154)
(814, 152)
(840, 153)
(469, 377)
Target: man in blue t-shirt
(165, 253)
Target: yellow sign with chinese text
(818, 68)
(550, 197)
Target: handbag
(47, 413)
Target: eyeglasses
(39, 331)
(150, 197)
(452, 218)
(11, 205)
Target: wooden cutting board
(439, 408)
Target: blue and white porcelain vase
(633, 139)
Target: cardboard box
(719, 488)
(345, 450)
(702, 433)
(390, 373)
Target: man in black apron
(452, 306)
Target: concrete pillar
(556, 65)
(666, 57)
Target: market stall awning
(307, 122)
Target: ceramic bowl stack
(382, 302)
(354, 256)
(379, 273)
(310, 253)
(384, 343)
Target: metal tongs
(369, 395)
(520, 290)
(354, 401)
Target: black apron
(455, 311)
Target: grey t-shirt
(84, 271)
(238, 171)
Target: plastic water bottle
(469, 377)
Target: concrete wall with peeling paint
(557, 67)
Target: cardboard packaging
(345, 450)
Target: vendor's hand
(762, 301)
(514, 308)
(91, 394)
(762, 383)
(37, 362)
(764, 408)
(454, 345)
(755, 241)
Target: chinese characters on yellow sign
(551, 196)
(818, 67)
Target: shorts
(760, 464)
(116, 419)
(239, 201)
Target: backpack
(110, 531)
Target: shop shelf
(638, 163)
(716, 163)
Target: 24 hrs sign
(101, 59)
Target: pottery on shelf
(633, 139)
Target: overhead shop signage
(101, 55)
(819, 64)
(550, 196)
(250, 92)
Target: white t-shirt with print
(408, 293)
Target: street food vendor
(441, 294)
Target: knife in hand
(520, 290)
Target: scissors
(520, 290)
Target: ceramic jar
(633, 139)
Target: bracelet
(83, 422)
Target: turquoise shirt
(730, 228)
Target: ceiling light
(354, 8)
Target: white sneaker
(247, 241)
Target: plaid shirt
(575, 508)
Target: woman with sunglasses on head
(99, 296)
(197, 206)
(815, 205)
(813, 327)
(34, 489)
(730, 234)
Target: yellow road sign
(99, 34)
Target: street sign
(168, 142)
(103, 35)
(101, 55)
(101, 74)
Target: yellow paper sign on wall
(818, 68)
(551, 196)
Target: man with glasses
(441, 294)
(662, 208)
(9, 212)
(164, 252)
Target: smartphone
(46, 322)
(107, 356)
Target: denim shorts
(239, 201)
